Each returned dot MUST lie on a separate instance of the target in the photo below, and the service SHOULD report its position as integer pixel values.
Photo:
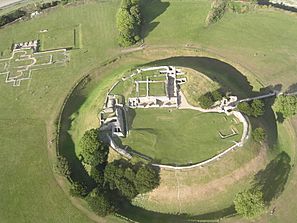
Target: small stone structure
(112, 117)
(27, 45)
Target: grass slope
(30, 193)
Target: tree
(216, 95)
(258, 134)
(286, 105)
(130, 174)
(147, 178)
(78, 190)
(112, 173)
(126, 188)
(245, 108)
(62, 166)
(99, 202)
(249, 203)
(128, 22)
(257, 108)
(205, 101)
(97, 175)
(93, 151)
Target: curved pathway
(185, 105)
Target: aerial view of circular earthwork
(148, 111)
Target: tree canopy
(62, 166)
(100, 203)
(249, 203)
(128, 22)
(286, 105)
(122, 176)
(93, 151)
(78, 189)
(258, 134)
(208, 99)
(147, 178)
(255, 108)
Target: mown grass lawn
(29, 192)
(179, 136)
(263, 41)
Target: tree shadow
(226, 75)
(291, 89)
(268, 121)
(145, 216)
(66, 145)
(150, 10)
(130, 117)
(272, 180)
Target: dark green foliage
(216, 96)
(130, 174)
(78, 190)
(147, 178)
(93, 151)
(62, 166)
(286, 105)
(49, 5)
(245, 108)
(5, 19)
(216, 12)
(256, 108)
(208, 99)
(249, 203)
(258, 135)
(97, 176)
(205, 101)
(128, 22)
(100, 203)
(113, 172)
(120, 175)
(127, 188)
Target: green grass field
(263, 42)
(179, 136)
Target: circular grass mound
(180, 137)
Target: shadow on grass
(226, 75)
(150, 10)
(272, 180)
(145, 216)
(66, 145)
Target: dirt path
(200, 192)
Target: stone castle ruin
(113, 117)
(169, 99)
